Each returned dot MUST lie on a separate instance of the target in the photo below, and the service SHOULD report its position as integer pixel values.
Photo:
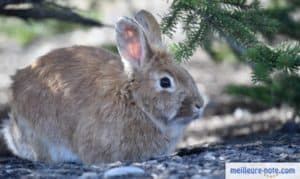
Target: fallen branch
(40, 10)
(3, 3)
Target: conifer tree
(249, 30)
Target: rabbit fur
(88, 105)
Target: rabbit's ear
(131, 42)
(150, 26)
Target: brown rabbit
(86, 104)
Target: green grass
(26, 31)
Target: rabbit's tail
(5, 101)
(4, 116)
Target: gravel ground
(197, 162)
(225, 117)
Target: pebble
(209, 156)
(283, 155)
(222, 158)
(89, 175)
(196, 177)
(177, 158)
(282, 150)
(124, 171)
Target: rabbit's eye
(165, 82)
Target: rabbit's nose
(198, 106)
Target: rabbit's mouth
(185, 115)
(184, 120)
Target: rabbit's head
(165, 91)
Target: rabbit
(85, 104)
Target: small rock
(152, 162)
(196, 177)
(283, 155)
(115, 164)
(176, 165)
(282, 150)
(209, 156)
(222, 158)
(240, 113)
(177, 158)
(89, 175)
(124, 171)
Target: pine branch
(287, 25)
(237, 24)
(275, 70)
(276, 73)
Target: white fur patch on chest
(176, 130)
(175, 133)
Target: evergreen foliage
(276, 76)
(247, 29)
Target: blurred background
(23, 40)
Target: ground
(232, 129)
(197, 162)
